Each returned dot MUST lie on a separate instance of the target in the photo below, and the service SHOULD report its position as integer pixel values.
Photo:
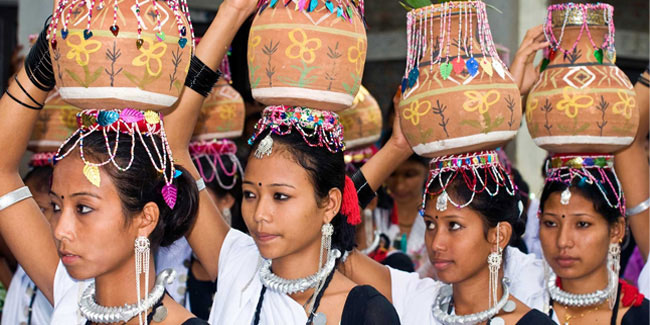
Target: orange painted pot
(310, 59)
(457, 95)
(581, 102)
(55, 123)
(362, 122)
(222, 115)
(102, 64)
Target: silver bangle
(200, 184)
(14, 197)
(638, 209)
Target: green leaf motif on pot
(303, 80)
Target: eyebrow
(79, 194)
(272, 185)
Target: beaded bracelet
(364, 192)
(200, 77)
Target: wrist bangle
(14, 197)
(638, 209)
(200, 184)
(200, 77)
(364, 192)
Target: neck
(298, 265)
(118, 287)
(472, 295)
(596, 280)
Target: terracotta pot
(362, 122)
(222, 114)
(56, 122)
(312, 59)
(579, 104)
(455, 100)
(106, 68)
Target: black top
(201, 294)
(195, 321)
(366, 306)
(535, 316)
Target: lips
(566, 261)
(265, 237)
(441, 264)
(68, 258)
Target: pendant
(611, 55)
(441, 202)
(319, 319)
(509, 307)
(565, 197)
(598, 54)
(265, 148)
(160, 314)
(497, 321)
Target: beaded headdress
(214, 152)
(318, 128)
(475, 169)
(139, 126)
(589, 169)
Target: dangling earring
(614, 263)
(142, 253)
(494, 263)
(325, 243)
(227, 215)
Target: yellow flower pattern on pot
(253, 42)
(530, 109)
(626, 104)
(302, 47)
(227, 112)
(150, 51)
(572, 102)
(480, 100)
(80, 51)
(357, 55)
(416, 110)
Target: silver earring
(614, 263)
(265, 148)
(227, 215)
(142, 254)
(494, 263)
(325, 243)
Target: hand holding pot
(522, 68)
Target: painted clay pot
(362, 122)
(102, 64)
(222, 114)
(307, 58)
(457, 95)
(56, 122)
(582, 102)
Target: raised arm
(22, 225)
(210, 229)
(523, 67)
(631, 166)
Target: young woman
(100, 212)
(581, 227)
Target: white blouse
(239, 287)
(18, 300)
(66, 297)
(177, 256)
(413, 297)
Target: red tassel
(394, 218)
(350, 204)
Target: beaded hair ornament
(589, 169)
(475, 169)
(360, 156)
(61, 19)
(420, 24)
(138, 126)
(214, 152)
(42, 159)
(343, 9)
(579, 14)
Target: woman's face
(575, 238)
(456, 242)
(407, 182)
(89, 226)
(279, 205)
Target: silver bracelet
(14, 197)
(639, 208)
(200, 184)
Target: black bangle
(38, 108)
(644, 81)
(26, 93)
(200, 77)
(364, 192)
(38, 63)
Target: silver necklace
(289, 287)
(96, 313)
(444, 299)
(580, 300)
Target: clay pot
(222, 114)
(56, 122)
(106, 67)
(580, 104)
(362, 122)
(313, 59)
(455, 100)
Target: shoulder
(637, 314)
(535, 316)
(365, 305)
(195, 321)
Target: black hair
(42, 175)
(591, 192)
(326, 171)
(142, 183)
(237, 221)
(502, 207)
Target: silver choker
(289, 287)
(443, 300)
(581, 300)
(100, 314)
